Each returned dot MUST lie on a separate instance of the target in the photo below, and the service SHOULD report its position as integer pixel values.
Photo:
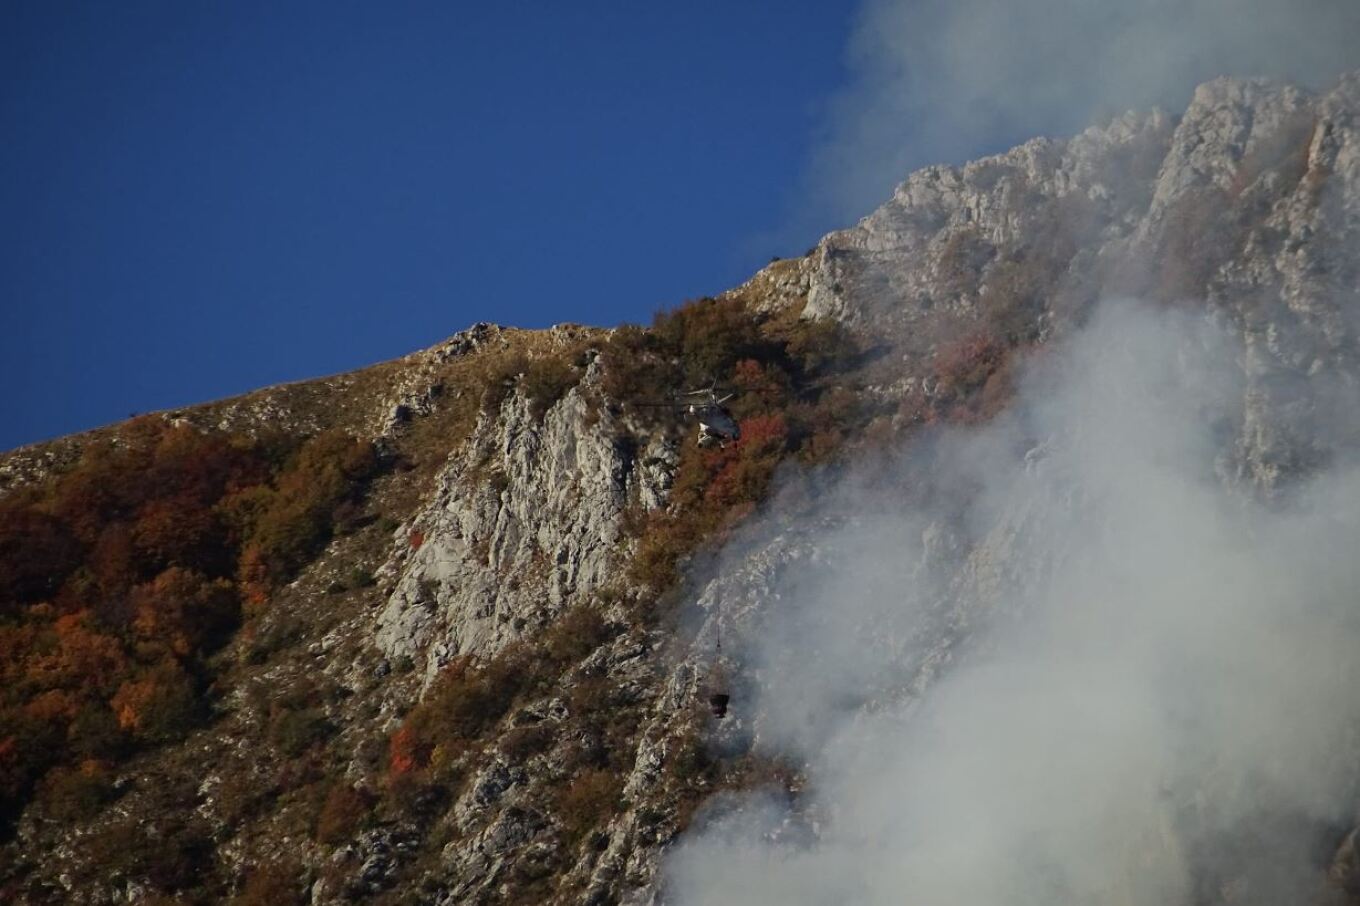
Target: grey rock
(526, 520)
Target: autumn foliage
(789, 400)
(119, 576)
(343, 812)
(407, 751)
(468, 698)
(712, 489)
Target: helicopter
(717, 426)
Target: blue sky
(203, 198)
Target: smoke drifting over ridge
(1070, 656)
(940, 81)
(1104, 674)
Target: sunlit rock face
(1282, 162)
(526, 518)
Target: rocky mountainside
(482, 672)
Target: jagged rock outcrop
(527, 517)
(420, 386)
(1247, 201)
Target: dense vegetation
(120, 577)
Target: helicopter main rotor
(707, 405)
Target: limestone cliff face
(1114, 186)
(1248, 202)
(526, 518)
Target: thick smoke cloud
(1078, 667)
(942, 81)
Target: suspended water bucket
(717, 702)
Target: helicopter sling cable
(717, 695)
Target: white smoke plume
(942, 81)
(1071, 663)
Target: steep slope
(490, 684)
